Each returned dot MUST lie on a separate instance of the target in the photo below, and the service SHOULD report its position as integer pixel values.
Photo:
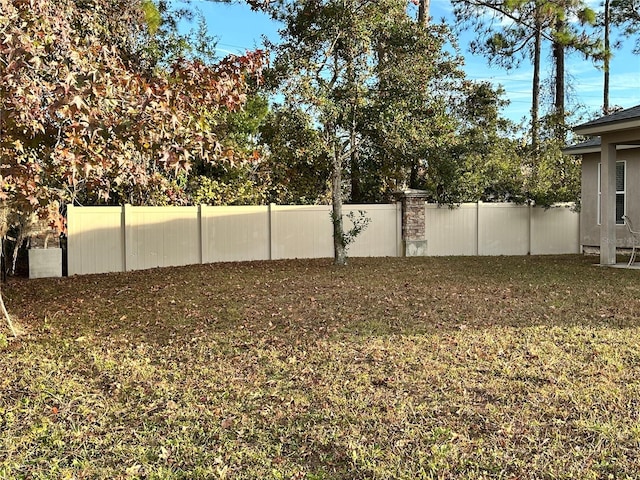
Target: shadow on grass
(306, 299)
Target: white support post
(608, 204)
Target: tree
(557, 176)
(323, 66)
(73, 111)
(492, 156)
(567, 36)
(510, 31)
(172, 35)
(409, 124)
(624, 14)
(520, 37)
(296, 160)
(242, 179)
(80, 118)
(379, 87)
(607, 55)
(4, 229)
(423, 12)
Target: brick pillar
(413, 222)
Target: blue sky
(239, 29)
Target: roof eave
(607, 127)
(580, 151)
(594, 149)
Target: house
(610, 180)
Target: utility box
(45, 262)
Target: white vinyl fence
(501, 229)
(115, 239)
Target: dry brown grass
(514, 368)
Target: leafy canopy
(87, 113)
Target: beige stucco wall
(589, 228)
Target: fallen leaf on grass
(227, 423)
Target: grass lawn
(444, 368)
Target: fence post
(478, 228)
(125, 244)
(530, 230)
(271, 213)
(71, 225)
(579, 233)
(200, 233)
(399, 249)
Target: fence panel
(382, 237)
(235, 233)
(451, 231)
(95, 240)
(503, 229)
(301, 231)
(555, 230)
(161, 237)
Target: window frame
(618, 192)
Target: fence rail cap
(411, 193)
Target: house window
(621, 168)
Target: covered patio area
(616, 131)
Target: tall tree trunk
(423, 12)
(535, 88)
(3, 261)
(356, 188)
(607, 49)
(4, 228)
(339, 244)
(413, 175)
(7, 317)
(559, 106)
(16, 250)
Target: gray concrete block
(415, 248)
(45, 262)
